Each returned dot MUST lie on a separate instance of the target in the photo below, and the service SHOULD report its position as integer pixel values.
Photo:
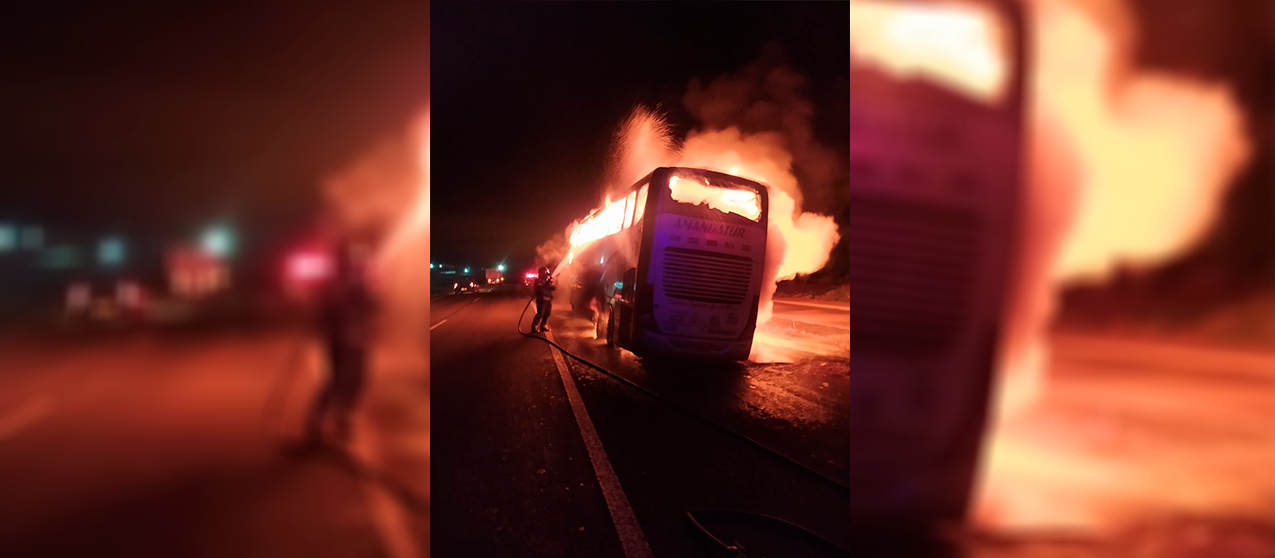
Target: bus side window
(630, 277)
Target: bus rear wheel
(609, 316)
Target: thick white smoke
(643, 143)
(385, 194)
(756, 124)
(768, 96)
(759, 124)
(797, 242)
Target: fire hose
(696, 517)
(943, 534)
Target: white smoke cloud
(768, 96)
(756, 124)
(384, 194)
(797, 242)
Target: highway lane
(516, 473)
(1145, 446)
(1131, 444)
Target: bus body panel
(683, 280)
(935, 200)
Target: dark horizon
(157, 122)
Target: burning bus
(673, 267)
(936, 184)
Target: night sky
(526, 98)
(157, 119)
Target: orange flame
(613, 217)
(797, 242)
(739, 202)
(955, 45)
(1127, 168)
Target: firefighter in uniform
(346, 313)
(544, 301)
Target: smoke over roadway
(756, 124)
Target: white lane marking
(626, 525)
(454, 312)
(24, 415)
(830, 306)
(388, 515)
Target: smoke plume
(769, 97)
(385, 193)
(643, 143)
(756, 124)
(759, 124)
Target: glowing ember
(956, 45)
(739, 202)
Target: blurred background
(171, 180)
(1136, 378)
(1136, 372)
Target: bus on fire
(674, 266)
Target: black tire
(610, 326)
(599, 327)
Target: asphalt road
(521, 470)
(1133, 448)
(150, 444)
(155, 444)
(829, 314)
(1148, 448)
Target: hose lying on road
(781, 455)
(735, 550)
(943, 534)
